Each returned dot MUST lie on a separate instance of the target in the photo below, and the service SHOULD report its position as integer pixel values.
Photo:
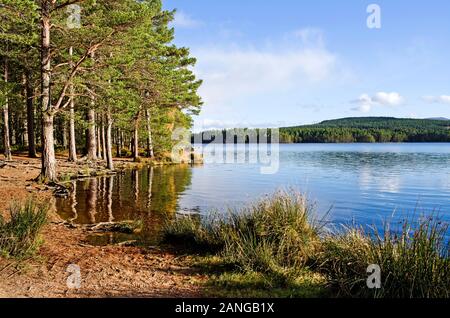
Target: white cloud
(366, 103)
(183, 20)
(237, 72)
(388, 99)
(443, 99)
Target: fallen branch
(125, 227)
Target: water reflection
(147, 195)
(363, 183)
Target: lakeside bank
(107, 271)
(270, 249)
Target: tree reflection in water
(148, 195)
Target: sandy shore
(111, 271)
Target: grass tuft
(414, 260)
(19, 236)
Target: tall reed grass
(414, 260)
(281, 237)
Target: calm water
(360, 183)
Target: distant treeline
(347, 130)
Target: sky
(291, 62)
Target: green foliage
(129, 68)
(353, 130)
(276, 236)
(369, 130)
(414, 261)
(307, 284)
(276, 242)
(19, 236)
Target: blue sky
(288, 62)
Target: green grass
(414, 261)
(19, 236)
(258, 285)
(277, 248)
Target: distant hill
(381, 123)
(438, 118)
(369, 129)
(356, 130)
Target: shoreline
(109, 271)
(194, 260)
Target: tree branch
(66, 4)
(75, 69)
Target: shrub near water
(414, 261)
(280, 238)
(19, 236)
(275, 236)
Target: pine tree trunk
(91, 135)
(150, 153)
(48, 172)
(136, 140)
(121, 142)
(12, 127)
(108, 141)
(118, 154)
(30, 116)
(6, 134)
(91, 141)
(24, 140)
(48, 169)
(103, 139)
(72, 140)
(64, 133)
(99, 144)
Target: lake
(358, 183)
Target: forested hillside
(352, 130)
(369, 129)
(96, 79)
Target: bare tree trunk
(150, 152)
(103, 138)
(48, 171)
(91, 135)
(109, 158)
(91, 140)
(6, 135)
(24, 139)
(99, 143)
(64, 133)
(72, 140)
(118, 149)
(136, 141)
(121, 142)
(30, 116)
(24, 124)
(12, 127)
